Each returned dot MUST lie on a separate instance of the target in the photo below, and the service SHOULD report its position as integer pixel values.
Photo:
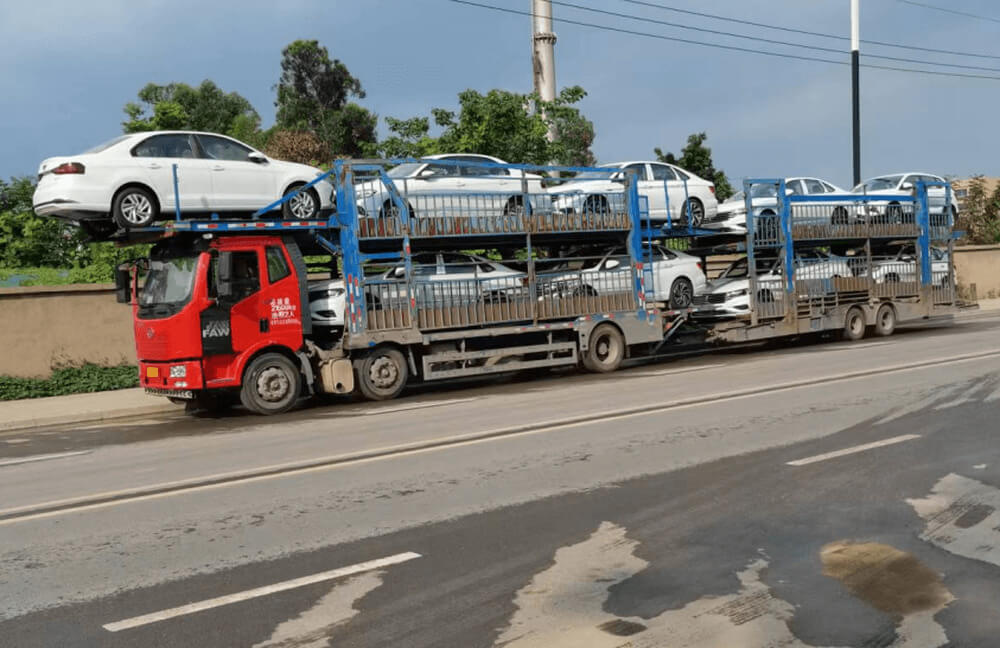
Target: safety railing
(768, 298)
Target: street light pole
(856, 86)
(543, 57)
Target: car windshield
(763, 191)
(738, 270)
(106, 145)
(169, 283)
(595, 175)
(878, 184)
(405, 170)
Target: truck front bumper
(178, 379)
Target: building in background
(961, 188)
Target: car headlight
(178, 371)
(737, 293)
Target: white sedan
(902, 266)
(468, 185)
(903, 183)
(676, 277)
(598, 191)
(732, 214)
(130, 181)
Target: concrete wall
(42, 327)
(980, 265)
(46, 326)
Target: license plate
(152, 372)
(186, 394)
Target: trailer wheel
(271, 384)
(885, 320)
(382, 374)
(854, 325)
(606, 350)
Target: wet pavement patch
(888, 579)
(621, 627)
(975, 514)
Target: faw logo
(215, 329)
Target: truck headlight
(178, 371)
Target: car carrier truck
(221, 307)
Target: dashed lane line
(853, 450)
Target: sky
(70, 66)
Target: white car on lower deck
(128, 182)
(732, 214)
(658, 182)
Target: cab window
(277, 266)
(246, 275)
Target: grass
(70, 380)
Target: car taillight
(711, 188)
(699, 265)
(69, 167)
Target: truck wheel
(271, 384)
(606, 350)
(885, 320)
(854, 325)
(382, 374)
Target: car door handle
(154, 165)
(218, 167)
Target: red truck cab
(228, 314)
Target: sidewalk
(80, 408)
(126, 403)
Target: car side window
(174, 145)
(277, 266)
(663, 172)
(220, 148)
(639, 169)
(458, 264)
(794, 187)
(814, 187)
(246, 275)
(474, 170)
(829, 188)
(439, 170)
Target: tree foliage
(178, 106)
(30, 240)
(697, 158)
(980, 216)
(313, 94)
(502, 124)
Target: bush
(70, 380)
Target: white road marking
(311, 628)
(42, 457)
(963, 516)
(672, 372)
(853, 450)
(334, 462)
(229, 599)
(372, 411)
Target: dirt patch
(888, 579)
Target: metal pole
(856, 85)
(543, 57)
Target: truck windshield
(168, 285)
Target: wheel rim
(888, 319)
(606, 349)
(681, 294)
(136, 208)
(383, 373)
(273, 385)
(856, 324)
(302, 205)
(697, 212)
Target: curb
(65, 419)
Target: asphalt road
(818, 495)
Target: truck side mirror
(224, 276)
(123, 277)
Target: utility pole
(543, 57)
(856, 85)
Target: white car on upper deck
(896, 184)
(732, 214)
(128, 181)
(467, 184)
(658, 182)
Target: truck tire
(606, 349)
(854, 325)
(271, 384)
(381, 374)
(885, 320)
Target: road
(828, 494)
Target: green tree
(179, 106)
(27, 239)
(313, 94)
(502, 124)
(697, 158)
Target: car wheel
(584, 291)
(606, 350)
(681, 293)
(271, 384)
(514, 207)
(134, 207)
(854, 325)
(595, 205)
(885, 320)
(892, 277)
(697, 212)
(839, 217)
(382, 374)
(304, 205)
(894, 214)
